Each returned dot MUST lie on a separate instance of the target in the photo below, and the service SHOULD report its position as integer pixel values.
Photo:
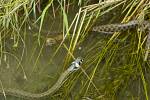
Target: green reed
(110, 69)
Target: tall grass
(114, 65)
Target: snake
(119, 27)
(111, 28)
(75, 65)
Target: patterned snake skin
(111, 28)
(121, 27)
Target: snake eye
(80, 62)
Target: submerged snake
(75, 65)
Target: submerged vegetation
(115, 65)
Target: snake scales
(75, 65)
(111, 28)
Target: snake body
(75, 65)
(111, 28)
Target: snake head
(75, 65)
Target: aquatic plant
(115, 65)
